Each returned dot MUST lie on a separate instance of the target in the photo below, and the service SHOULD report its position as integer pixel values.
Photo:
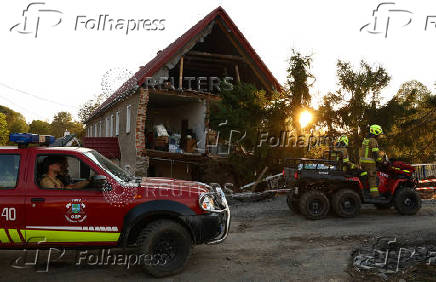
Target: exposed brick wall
(141, 116)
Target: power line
(23, 108)
(35, 96)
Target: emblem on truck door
(75, 211)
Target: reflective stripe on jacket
(369, 151)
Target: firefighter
(52, 167)
(341, 147)
(369, 156)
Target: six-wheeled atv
(319, 185)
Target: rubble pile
(388, 258)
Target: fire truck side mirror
(101, 183)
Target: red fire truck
(112, 208)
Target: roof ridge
(165, 54)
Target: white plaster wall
(194, 112)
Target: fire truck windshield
(115, 171)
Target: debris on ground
(261, 189)
(389, 259)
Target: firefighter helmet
(343, 139)
(375, 129)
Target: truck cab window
(9, 167)
(63, 172)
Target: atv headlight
(206, 202)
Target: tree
(242, 109)
(63, 121)
(4, 131)
(16, 121)
(410, 118)
(298, 84)
(353, 107)
(40, 127)
(89, 107)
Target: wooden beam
(186, 94)
(209, 59)
(238, 79)
(247, 60)
(181, 73)
(202, 66)
(215, 55)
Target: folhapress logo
(35, 17)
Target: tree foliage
(16, 121)
(63, 121)
(410, 119)
(89, 107)
(351, 108)
(4, 131)
(298, 82)
(255, 113)
(241, 109)
(40, 127)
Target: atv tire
(166, 246)
(314, 205)
(292, 203)
(407, 201)
(346, 203)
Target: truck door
(78, 216)
(12, 193)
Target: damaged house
(156, 124)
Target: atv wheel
(166, 246)
(292, 203)
(346, 203)
(383, 206)
(314, 205)
(407, 201)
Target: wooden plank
(181, 73)
(216, 55)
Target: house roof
(107, 146)
(165, 55)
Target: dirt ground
(267, 242)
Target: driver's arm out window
(9, 168)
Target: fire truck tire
(314, 205)
(166, 245)
(407, 201)
(346, 203)
(292, 204)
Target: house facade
(158, 120)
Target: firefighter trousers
(371, 170)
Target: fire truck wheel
(407, 201)
(166, 246)
(346, 203)
(292, 203)
(314, 205)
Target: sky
(64, 62)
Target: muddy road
(267, 242)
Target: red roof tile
(165, 55)
(107, 146)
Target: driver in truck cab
(369, 156)
(53, 168)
